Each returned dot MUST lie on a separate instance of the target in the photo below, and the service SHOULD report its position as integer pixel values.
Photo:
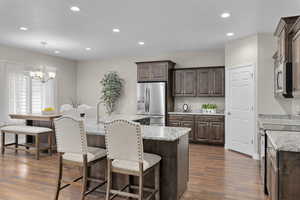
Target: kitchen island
(171, 143)
(282, 162)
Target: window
(27, 95)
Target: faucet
(98, 109)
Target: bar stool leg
(2, 142)
(157, 181)
(141, 181)
(60, 166)
(37, 144)
(84, 177)
(16, 142)
(109, 179)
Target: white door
(240, 115)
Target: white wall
(91, 72)
(66, 69)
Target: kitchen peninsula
(171, 143)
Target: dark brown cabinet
(184, 83)
(284, 39)
(201, 82)
(205, 128)
(203, 86)
(183, 121)
(210, 129)
(202, 131)
(296, 58)
(217, 82)
(283, 173)
(153, 71)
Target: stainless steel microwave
(283, 79)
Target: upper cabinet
(184, 83)
(296, 57)
(283, 60)
(284, 41)
(201, 82)
(153, 71)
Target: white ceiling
(164, 25)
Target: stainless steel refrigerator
(151, 101)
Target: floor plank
(215, 174)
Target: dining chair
(125, 155)
(73, 150)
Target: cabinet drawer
(182, 117)
(210, 118)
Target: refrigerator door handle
(149, 99)
(145, 103)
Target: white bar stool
(73, 150)
(125, 155)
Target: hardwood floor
(215, 174)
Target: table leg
(37, 144)
(50, 143)
(16, 143)
(2, 142)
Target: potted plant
(111, 90)
(209, 108)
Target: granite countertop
(161, 133)
(285, 140)
(194, 113)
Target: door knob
(228, 113)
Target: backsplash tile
(195, 103)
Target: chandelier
(42, 75)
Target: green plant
(111, 90)
(209, 106)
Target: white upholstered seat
(92, 154)
(149, 161)
(72, 146)
(26, 129)
(125, 155)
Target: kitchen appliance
(283, 80)
(151, 101)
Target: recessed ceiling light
(22, 28)
(75, 9)
(230, 34)
(141, 43)
(88, 49)
(57, 52)
(225, 15)
(116, 30)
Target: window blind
(29, 96)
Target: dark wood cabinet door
(189, 83)
(203, 82)
(217, 82)
(178, 83)
(296, 64)
(216, 132)
(202, 131)
(143, 72)
(189, 124)
(159, 72)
